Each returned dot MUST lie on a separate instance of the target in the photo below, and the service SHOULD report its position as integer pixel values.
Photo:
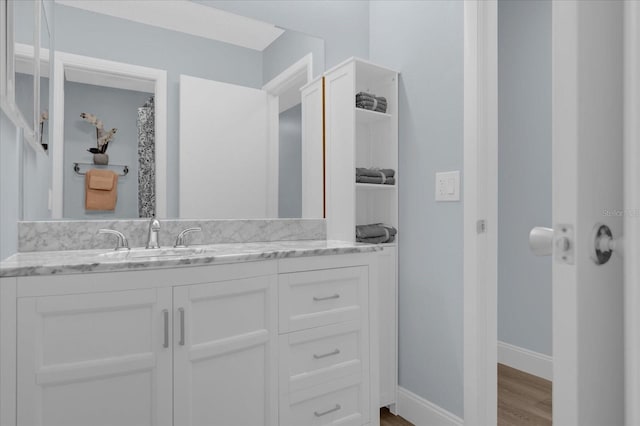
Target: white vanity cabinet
(281, 342)
(225, 353)
(94, 358)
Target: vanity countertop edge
(85, 261)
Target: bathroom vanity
(279, 333)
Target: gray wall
(9, 187)
(287, 50)
(290, 163)
(96, 35)
(424, 41)
(116, 108)
(524, 172)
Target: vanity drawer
(340, 402)
(316, 298)
(312, 357)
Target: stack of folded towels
(371, 102)
(375, 175)
(376, 233)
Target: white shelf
(369, 116)
(374, 186)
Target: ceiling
(187, 17)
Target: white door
(587, 114)
(95, 359)
(588, 343)
(225, 367)
(228, 159)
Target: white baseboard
(421, 412)
(525, 360)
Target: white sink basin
(163, 252)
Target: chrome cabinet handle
(324, 413)
(318, 299)
(336, 352)
(165, 315)
(181, 311)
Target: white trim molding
(109, 74)
(522, 359)
(421, 412)
(631, 205)
(480, 181)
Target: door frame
(480, 171)
(119, 75)
(277, 86)
(480, 203)
(632, 206)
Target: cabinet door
(387, 321)
(225, 369)
(95, 359)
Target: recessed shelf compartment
(369, 116)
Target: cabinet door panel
(225, 372)
(317, 298)
(95, 359)
(388, 325)
(319, 355)
(337, 403)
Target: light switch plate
(448, 186)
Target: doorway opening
(524, 291)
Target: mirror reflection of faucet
(181, 241)
(154, 232)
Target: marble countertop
(79, 261)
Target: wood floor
(388, 419)
(523, 400)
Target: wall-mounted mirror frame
(8, 58)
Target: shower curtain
(146, 160)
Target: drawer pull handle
(165, 315)
(336, 352)
(324, 413)
(181, 311)
(318, 299)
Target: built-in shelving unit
(357, 137)
(364, 115)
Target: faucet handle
(122, 243)
(181, 240)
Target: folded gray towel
(371, 102)
(378, 180)
(376, 240)
(374, 172)
(375, 230)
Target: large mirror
(21, 83)
(221, 139)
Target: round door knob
(541, 241)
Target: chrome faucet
(181, 241)
(122, 243)
(154, 231)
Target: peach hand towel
(101, 190)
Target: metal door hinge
(481, 226)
